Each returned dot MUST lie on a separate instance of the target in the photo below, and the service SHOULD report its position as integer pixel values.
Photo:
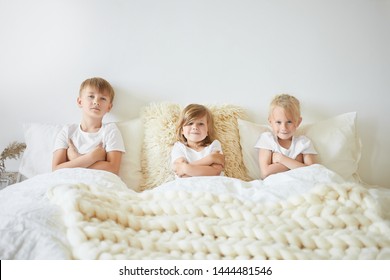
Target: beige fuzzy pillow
(159, 135)
(159, 122)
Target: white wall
(332, 54)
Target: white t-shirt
(180, 150)
(85, 142)
(299, 145)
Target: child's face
(196, 131)
(283, 125)
(94, 103)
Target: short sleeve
(178, 151)
(216, 146)
(307, 145)
(61, 141)
(113, 140)
(266, 141)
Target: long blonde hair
(190, 113)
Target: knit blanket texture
(331, 221)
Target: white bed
(306, 213)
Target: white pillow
(335, 139)
(337, 143)
(40, 138)
(37, 157)
(132, 134)
(249, 133)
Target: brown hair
(100, 84)
(289, 103)
(190, 113)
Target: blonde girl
(196, 152)
(281, 150)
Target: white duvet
(30, 226)
(40, 217)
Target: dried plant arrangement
(12, 151)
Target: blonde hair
(100, 84)
(289, 103)
(190, 113)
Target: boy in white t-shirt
(280, 150)
(92, 143)
(197, 152)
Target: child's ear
(299, 121)
(79, 102)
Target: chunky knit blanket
(332, 221)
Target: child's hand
(277, 157)
(179, 167)
(299, 158)
(218, 158)
(72, 152)
(99, 153)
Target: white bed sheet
(272, 189)
(31, 227)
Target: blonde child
(280, 150)
(196, 152)
(92, 143)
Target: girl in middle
(196, 152)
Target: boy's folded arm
(309, 159)
(267, 167)
(290, 163)
(60, 160)
(272, 162)
(72, 152)
(111, 163)
(272, 168)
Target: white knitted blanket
(333, 221)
